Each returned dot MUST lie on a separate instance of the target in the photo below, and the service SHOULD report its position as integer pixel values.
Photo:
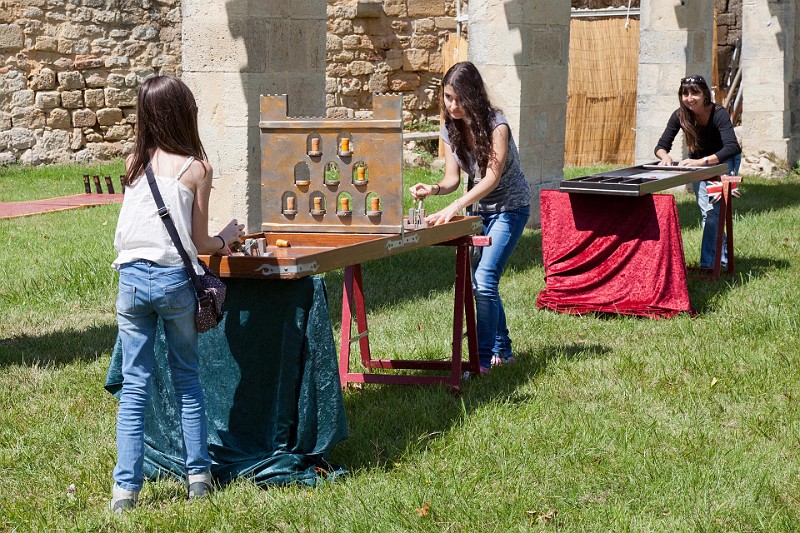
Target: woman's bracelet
(438, 188)
(223, 241)
(458, 203)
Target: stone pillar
(233, 52)
(521, 48)
(771, 79)
(675, 40)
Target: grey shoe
(200, 485)
(122, 500)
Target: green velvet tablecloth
(273, 399)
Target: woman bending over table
(477, 139)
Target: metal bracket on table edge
(477, 224)
(269, 270)
(412, 238)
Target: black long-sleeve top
(717, 137)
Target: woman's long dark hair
(691, 130)
(166, 118)
(468, 86)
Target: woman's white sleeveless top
(141, 233)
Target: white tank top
(141, 233)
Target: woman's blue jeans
(709, 212)
(147, 291)
(505, 230)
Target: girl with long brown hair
(477, 139)
(709, 135)
(153, 281)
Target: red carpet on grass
(35, 207)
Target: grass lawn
(604, 423)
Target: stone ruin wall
(70, 71)
(376, 46)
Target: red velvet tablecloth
(612, 254)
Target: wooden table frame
(725, 225)
(464, 308)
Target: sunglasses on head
(692, 80)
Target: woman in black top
(709, 136)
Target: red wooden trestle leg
(464, 308)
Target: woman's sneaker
(200, 485)
(499, 359)
(122, 500)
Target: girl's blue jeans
(709, 213)
(147, 291)
(505, 230)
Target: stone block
(446, 23)
(94, 98)
(63, 63)
(5, 121)
(43, 80)
(424, 25)
(395, 8)
(119, 132)
(369, 9)
(72, 99)
(333, 43)
(144, 32)
(11, 37)
(27, 117)
(66, 46)
(77, 139)
(378, 83)
(71, 80)
(425, 41)
(350, 86)
(340, 26)
(83, 62)
(45, 43)
(47, 99)
(425, 8)
(109, 116)
(59, 119)
(331, 85)
(94, 80)
(415, 60)
(361, 68)
(71, 31)
(120, 97)
(343, 57)
(351, 42)
(117, 61)
(116, 80)
(404, 81)
(84, 118)
(22, 98)
(20, 138)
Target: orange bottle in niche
(315, 144)
(344, 201)
(318, 203)
(345, 144)
(361, 173)
(290, 203)
(375, 204)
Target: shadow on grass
(703, 293)
(415, 275)
(756, 198)
(388, 423)
(59, 348)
